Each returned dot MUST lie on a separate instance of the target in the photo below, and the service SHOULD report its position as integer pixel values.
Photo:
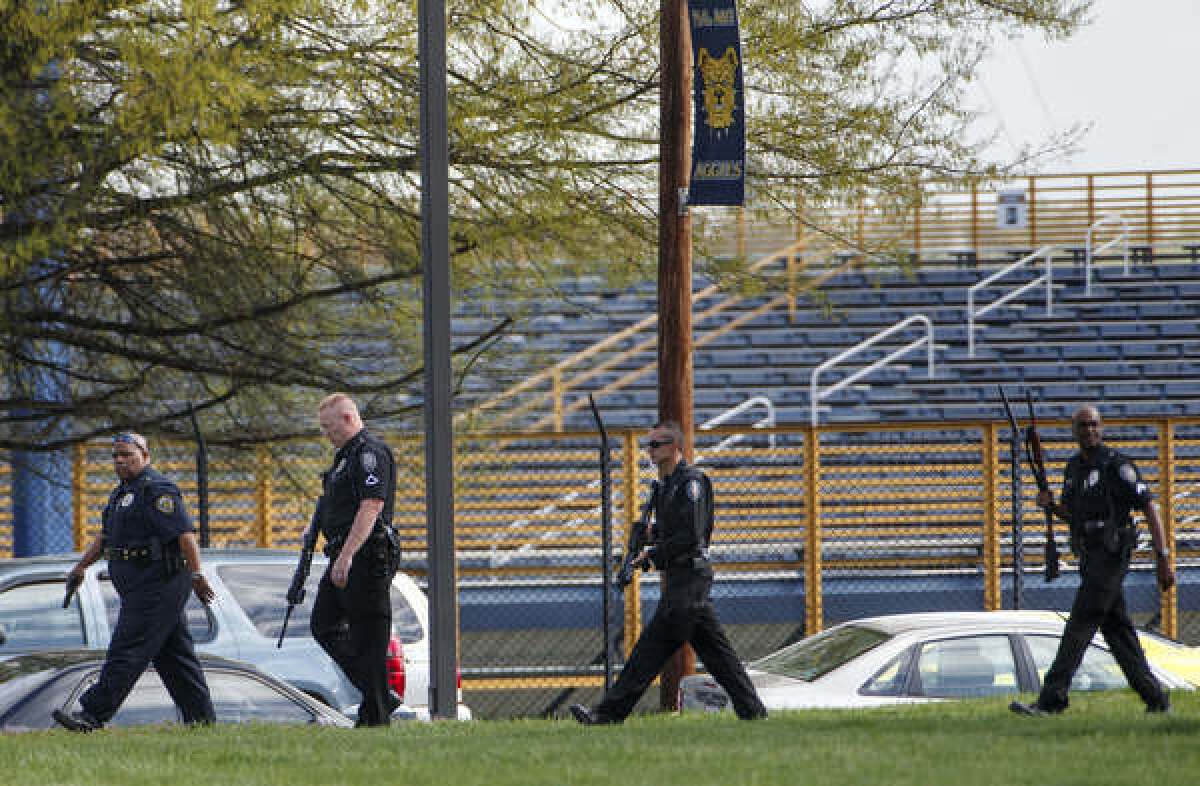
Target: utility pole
(675, 264)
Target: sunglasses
(651, 444)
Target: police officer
(683, 509)
(1100, 488)
(154, 561)
(352, 615)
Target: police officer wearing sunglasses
(154, 561)
(683, 512)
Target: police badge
(694, 490)
(126, 500)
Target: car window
(1097, 671)
(888, 681)
(967, 666)
(239, 698)
(261, 591)
(816, 655)
(33, 618)
(200, 623)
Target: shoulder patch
(694, 490)
(369, 460)
(165, 504)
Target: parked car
(243, 623)
(32, 686)
(921, 657)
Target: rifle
(73, 583)
(637, 541)
(1033, 452)
(295, 593)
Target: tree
(216, 201)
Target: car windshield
(820, 654)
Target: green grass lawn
(1101, 740)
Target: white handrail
(729, 414)
(1047, 277)
(815, 395)
(1090, 253)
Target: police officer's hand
(1045, 499)
(339, 574)
(204, 590)
(1166, 576)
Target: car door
(32, 617)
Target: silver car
(32, 686)
(907, 658)
(243, 623)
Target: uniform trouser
(354, 625)
(684, 615)
(151, 628)
(1100, 604)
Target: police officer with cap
(352, 614)
(1100, 488)
(154, 561)
(683, 510)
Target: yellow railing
(1162, 208)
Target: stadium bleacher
(1132, 344)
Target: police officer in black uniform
(683, 510)
(352, 614)
(154, 561)
(1100, 488)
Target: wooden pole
(675, 264)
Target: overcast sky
(1131, 74)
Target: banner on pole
(719, 130)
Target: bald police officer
(1100, 488)
(154, 561)
(683, 511)
(352, 615)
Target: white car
(906, 658)
(243, 623)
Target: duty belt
(132, 553)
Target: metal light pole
(439, 432)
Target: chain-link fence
(812, 528)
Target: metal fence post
(633, 593)
(813, 610)
(991, 520)
(1169, 600)
(78, 480)
(263, 473)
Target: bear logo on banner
(720, 96)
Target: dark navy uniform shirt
(363, 468)
(144, 508)
(683, 512)
(1103, 487)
